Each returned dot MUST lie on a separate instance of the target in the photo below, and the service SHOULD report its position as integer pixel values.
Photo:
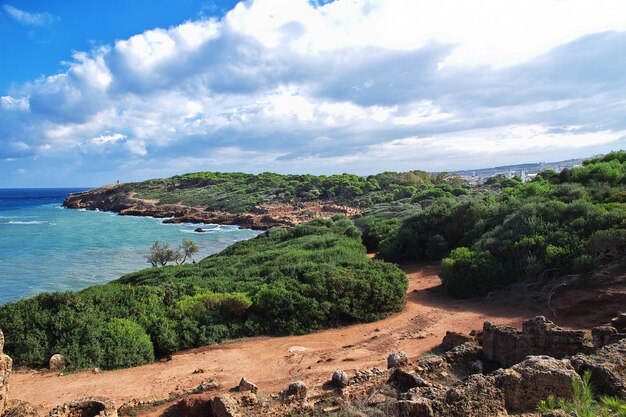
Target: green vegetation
(310, 277)
(584, 403)
(239, 192)
(161, 253)
(506, 231)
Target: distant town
(526, 172)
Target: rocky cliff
(115, 199)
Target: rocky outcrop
(86, 407)
(117, 199)
(533, 380)
(476, 396)
(608, 368)
(19, 408)
(539, 336)
(6, 364)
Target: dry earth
(273, 362)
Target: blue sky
(92, 91)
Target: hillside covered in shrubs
(292, 281)
(237, 192)
(506, 231)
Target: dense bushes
(239, 192)
(292, 281)
(506, 231)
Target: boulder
(86, 407)
(608, 368)
(601, 335)
(476, 396)
(340, 379)
(19, 408)
(245, 385)
(533, 380)
(539, 336)
(454, 339)
(297, 390)
(397, 360)
(57, 363)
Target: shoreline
(263, 217)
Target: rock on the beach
(57, 363)
(397, 360)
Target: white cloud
(351, 84)
(108, 138)
(27, 18)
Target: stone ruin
(539, 336)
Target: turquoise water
(44, 247)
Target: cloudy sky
(92, 92)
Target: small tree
(161, 254)
(187, 249)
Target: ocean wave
(24, 222)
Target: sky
(92, 91)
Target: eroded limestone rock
(86, 407)
(533, 380)
(6, 364)
(539, 336)
(608, 368)
(19, 408)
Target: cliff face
(5, 370)
(114, 198)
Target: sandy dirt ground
(273, 362)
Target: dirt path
(273, 362)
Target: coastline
(111, 199)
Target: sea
(46, 247)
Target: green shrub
(124, 344)
(310, 277)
